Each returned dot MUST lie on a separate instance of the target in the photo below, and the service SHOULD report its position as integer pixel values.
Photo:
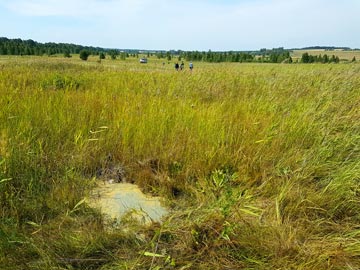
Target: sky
(184, 24)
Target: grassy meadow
(259, 164)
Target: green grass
(259, 164)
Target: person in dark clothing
(177, 66)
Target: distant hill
(326, 48)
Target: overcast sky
(186, 24)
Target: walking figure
(177, 66)
(191, 66)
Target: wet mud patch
(116, 200)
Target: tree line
(270, 56)
(31, 47)
(275, 55)
(307, 58)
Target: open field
(259, 164)
(343, 55)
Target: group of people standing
(181, 66)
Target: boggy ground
(259, 164)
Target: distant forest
(327, 48)
(31, 47)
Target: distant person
(191, 66)
(177, 66)
(182, 65)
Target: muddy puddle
(116, 200)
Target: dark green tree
(113, 54)
(84, 54)
(312, 59)
(67, 54)
(274, 58)
(305, 58)
(332, 59)
(168, 56)
(325, 59)
(320, 58)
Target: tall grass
(259, 164)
